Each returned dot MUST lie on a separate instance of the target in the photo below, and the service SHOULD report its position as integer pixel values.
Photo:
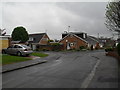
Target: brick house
(38, 39)
(107, 42)
(74, 40)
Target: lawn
(39, 54)
(8, 59)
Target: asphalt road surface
(84, 69)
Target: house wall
(72, 39)
(44, 40)
(4, 42)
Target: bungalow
(38, 38)
(74, 40)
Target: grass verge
(39, 54)
(9, 59)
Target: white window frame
(30, 39)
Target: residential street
(83, 69)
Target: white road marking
(87, 81)
(57, 62)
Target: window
(71, 44)
(45, 39)
(84, 36)
(19, 47)
(10, 46)
(16, 46)
(30, 39)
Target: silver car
(18, 49)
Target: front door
(68, 46)
(34, 47)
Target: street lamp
(68, 28)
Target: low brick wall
(49, 47)
(113, 54)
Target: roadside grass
(9, 59)
(39, 54)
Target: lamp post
(68, 28)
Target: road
(84, 69)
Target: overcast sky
(55, 17)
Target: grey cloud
(55, 17)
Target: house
(4, 41)
(92, 41)
(107, 42)
(74, 40)
(37, 39)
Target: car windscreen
(11, 46)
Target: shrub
(44, 49)
(77, 49)
(96, 48)
(82, 47)
(50, 41)
(118, 49)
(109, 49)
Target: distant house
(38, 39)
(107, 42)
(74, 40)
(4, 41)
(92, 41)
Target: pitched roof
(91, 40)
(75, 36)
(79, 34)
(36, 37)
(5, 36)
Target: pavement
(89, 69)
(20, 65)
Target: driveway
(87, 69)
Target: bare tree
(113, 16)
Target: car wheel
(3, 52)
(19, 54)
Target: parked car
(18, 49)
